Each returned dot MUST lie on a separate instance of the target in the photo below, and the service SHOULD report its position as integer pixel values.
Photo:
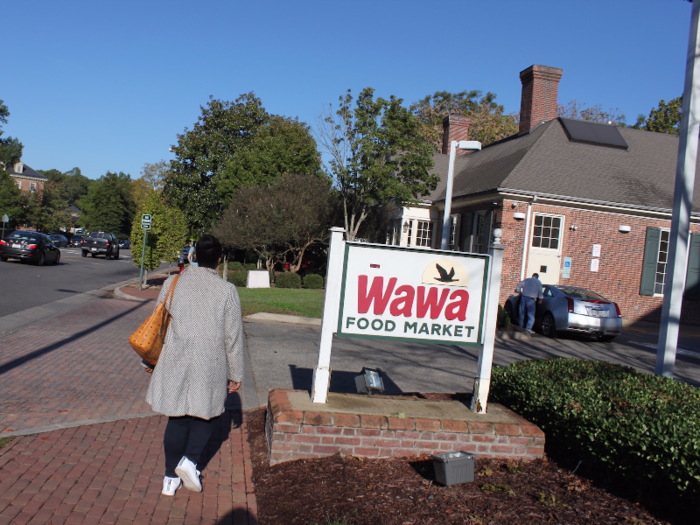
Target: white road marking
(681, 351)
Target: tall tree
(76, 185)
(13, 201)
(165, 238)
(155, 174)
(202, 152)
(10, 149)
(666, 118)
(489, 121)
(282, 146)
(595, 113)
(378, 153)
(48, 210)
(285, 217)
(109, 205)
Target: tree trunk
(225, 267)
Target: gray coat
(203, 346)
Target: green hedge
(627, 427)
(313, 282)
(238, 277)
(250, 266)
(288, 280)
(235, 265)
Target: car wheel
(41, 261)
(605, 338)
(92, 255)
(3, 259)
(83, 253)
(117, 255)
(58, 259)
(509, 311)
(548, 327)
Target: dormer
(19, 167)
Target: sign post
(5, 219)
(146, 222)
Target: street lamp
(447, 219)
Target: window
(423, 233)
(32, 187)
(480, 232)
(545, 233)
(661, 262)
(19, 184)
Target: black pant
(185, 436)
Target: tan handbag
(148, 338)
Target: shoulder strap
(171, 292)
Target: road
(26, 286)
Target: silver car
(572, 309)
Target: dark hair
(536, 275)
(208, 250)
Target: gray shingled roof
(544, 161)
(30, 173)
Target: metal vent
(593, 133)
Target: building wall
(621, 257)
(23, 184)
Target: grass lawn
(306, 303)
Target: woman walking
(203, 348)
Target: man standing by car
(530, 290)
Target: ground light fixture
(369, 381)
(473, 145)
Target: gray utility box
(453, 468)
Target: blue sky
(108, 85)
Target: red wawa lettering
(402, 304)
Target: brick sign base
(298, 434)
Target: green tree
(165, 238)
(155, 174)
(109, 205)
(10, 149)
(666, 118)
(489, 122)
(595, 113)
(76, 185)
(378, 153)
(48, 210)
(13, 201)
(282, 146)
(202, 152)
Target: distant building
(26, 178)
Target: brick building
(581, 203)
(26, 178)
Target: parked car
(125, 243)
(76, 240)
(572, 309)
(100, 243)
(28, 246)
(59, 240)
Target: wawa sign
(412, 294)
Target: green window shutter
(651, 257)
(692, 278)
(467, 227)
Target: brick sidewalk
(113, 473)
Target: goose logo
(446, 272)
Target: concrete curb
(72, 424)
(118, 293)
(264, 317)
(517, 335)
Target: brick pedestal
(306, 431)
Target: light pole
(447, 219)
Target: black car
(59, 240)
(76, 240)
(125, 243)
(29, 246)
(100, 243)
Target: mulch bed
(404, 492)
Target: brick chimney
(538, 102)
(456, 127)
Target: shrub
(250, 266)
(288, 280)
(503, 318)
(235, 265)
(313, 282)
(628, 427)
(238, 277)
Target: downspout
(527, 236)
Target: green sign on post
(146, 221)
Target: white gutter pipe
(527, 237)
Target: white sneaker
(170, 485)
(189, 474)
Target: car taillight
(617, 309)
(107, 243)
(81, 241)
(31, 246)
(571, 304)
(2, 243)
